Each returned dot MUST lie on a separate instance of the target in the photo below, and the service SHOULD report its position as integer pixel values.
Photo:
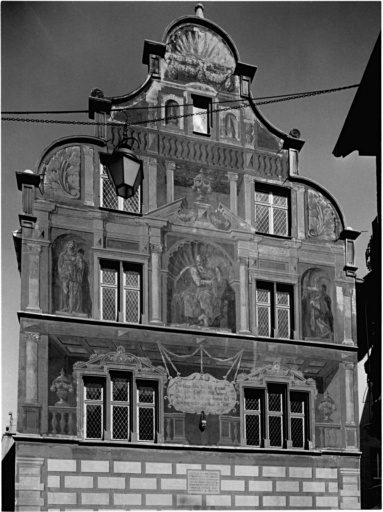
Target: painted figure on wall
(318, 321)
(202, 295)
(73, 295)
(230, 128)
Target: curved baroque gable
(198, 54)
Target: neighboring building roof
(362, 128)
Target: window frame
(272, 191)
(202, 103)
(134, 377)
(121, 266)
(284, 386)
(121, 202)
(273, 288)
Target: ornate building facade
(193, 346)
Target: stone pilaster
(89, 172)
(31, 407)
(301, 232)
(170, 168)
(249, 197)
(152, 183)
(233, 179)
(156, 251)
(34, 252)
(244, 294)
(349, 392)
(347, 312)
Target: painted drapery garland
(201, 392)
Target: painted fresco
(317, 316)
(71, 292)
(62, 178)
(200, 288)
(196, 54)
(324, 222)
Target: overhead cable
(167, 118)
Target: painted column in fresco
(249, 197)
(349, 388)
(34, 252)
(32, 340)
(89, 173)
(152, 183)
(233, 178)
(170, 168)
(156, 250)
(243, 287)
(300, 216)
(347, 312)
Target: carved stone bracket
(32, 336)
(34, 249)
(156, 248)
(232, 176)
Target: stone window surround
(133, 375)
(271, 189)
(119, 256)
(180, 101)
(260, 275)
(290, 386)
(230, 140)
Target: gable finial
(199, 10)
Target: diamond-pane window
(93, 409)
(275, 414)
(128, 411)
(273, 309)
(120, 294)
(253, 429)
(94, 391)
(283, 322)
(275, 402)
(275, 431)
(146, 429)
(263, 320)
(271, 213)
(120, 422)
(93, 421)
(109, 198)
(146, 394)
(120, 390)
(297, 432)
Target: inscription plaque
(203, 482)
(201, 392)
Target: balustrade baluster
(70, 424)
(62, 423)
(168, 421)
(54, 423)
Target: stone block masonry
(160, 481)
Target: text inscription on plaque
(203, 482)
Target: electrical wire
(167, 118)
(184, 104)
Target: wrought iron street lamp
(124, 167)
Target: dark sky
(54, 53)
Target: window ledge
(122, 212)
(175, 447)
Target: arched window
(230, 127)
(172, 109)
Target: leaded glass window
(120, 291)
(146, 403)
(271, 213)
(109, 198)
(93, 408)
